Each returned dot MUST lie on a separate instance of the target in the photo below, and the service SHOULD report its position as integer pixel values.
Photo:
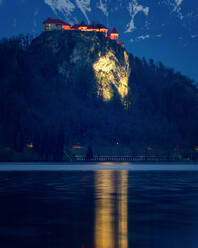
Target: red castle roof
(114, 31)
(55, 21)
(75, 26)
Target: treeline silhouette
(39, 106)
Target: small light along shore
(107, 159)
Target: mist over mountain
(165, 30)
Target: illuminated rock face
(111, 74)
(85, 60)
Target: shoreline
(145, 161)
(95, 166)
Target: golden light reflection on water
(111, 216)
(123, 210)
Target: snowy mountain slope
(165, 30)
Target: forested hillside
(51, 99)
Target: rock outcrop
(74, 52)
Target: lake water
(104, 205)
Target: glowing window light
(30, 145)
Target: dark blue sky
(164, 30)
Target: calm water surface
(99, 208)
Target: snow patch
(103, 7)
(36, 12)
(143, 37)
(178, 3)
(65, 7)
(84, 6)
(158, 35)
(175, 6)
(134, 8)
(14, 22)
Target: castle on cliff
(56, 24)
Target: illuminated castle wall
(56, 24)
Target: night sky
(164, 30)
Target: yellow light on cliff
(112, 74)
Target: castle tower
(114, 35)
(83, 26)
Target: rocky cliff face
(87, 54)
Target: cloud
(1, 1)
(134, 8)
